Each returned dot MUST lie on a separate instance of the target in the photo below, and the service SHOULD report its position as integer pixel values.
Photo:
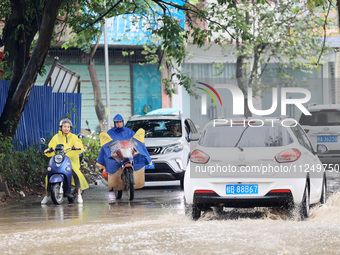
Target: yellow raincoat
(71, 140)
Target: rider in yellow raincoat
(65, 137)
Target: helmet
(118, 117)
(63, 121)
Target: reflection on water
(155, 224)
(62, 212)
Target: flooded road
(155, 223)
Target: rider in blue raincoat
(120, 132)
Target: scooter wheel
(56, 195)
(130, 184)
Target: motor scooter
(59, 175)
(123, 152)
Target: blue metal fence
(42, 113)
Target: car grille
(160, 168)
(154, 150)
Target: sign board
(132, 29)
(62, 79)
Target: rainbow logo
(204, 98)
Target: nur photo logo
(239, 98)
(204, 97)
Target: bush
(91, 151)
(21, 168)
(27, 169)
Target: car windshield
(157, 127)
(240, 136)
(321, 118)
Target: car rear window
(240, 136)
(321, 118)
(157, 128)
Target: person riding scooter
(105, 161)
(69, 140)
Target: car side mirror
(321, 149)
(194, 136)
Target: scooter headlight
(58, 158)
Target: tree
(27, 19)
(291, 39)
(23, 20)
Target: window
(302, 137)
(321, 118)
(157, 127)
(192, 126)
(240, 136)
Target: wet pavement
(155, 223)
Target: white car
(167, 139)
(254, 163)
(323, 126)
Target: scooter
(123, 152)
(59, 174)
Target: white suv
(167, 139)
(323, 126)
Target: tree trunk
(98, 101)
(98, 104)
(240, 83)
(240, 73)
(22, 82)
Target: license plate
(236, 189)
(152, 166)
(327, 139)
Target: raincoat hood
(118, 117)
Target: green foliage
(312, 4)
(166, 33)
(21, 168)
(91, 150)
(72, 110)
(293, 38)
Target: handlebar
(50, 150)
(72, 148)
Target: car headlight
(173, 148)
(58, 158)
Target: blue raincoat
(111, 165)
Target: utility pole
(107, 84)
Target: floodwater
(155, 223)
